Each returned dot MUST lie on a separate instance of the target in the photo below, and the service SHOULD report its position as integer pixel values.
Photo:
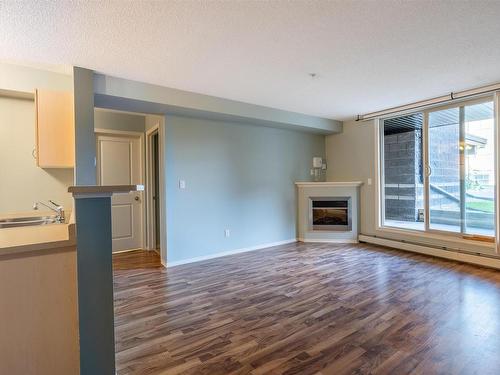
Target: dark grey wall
(95, 286)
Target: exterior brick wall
(402, 173)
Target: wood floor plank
(306, 309)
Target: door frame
(151, 229)
(159, 128)
(140, 135)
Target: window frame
(380, 172)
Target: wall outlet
(227, 233)
(182, 184)
(312, 172)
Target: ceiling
(367, 55)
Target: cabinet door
(55, 130)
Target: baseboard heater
(436, 251)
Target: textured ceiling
(367, 55)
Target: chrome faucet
(58, 209)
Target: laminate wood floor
(307, 309)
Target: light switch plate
(182, 184)
(369, 181)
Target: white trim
(329, 184)
(439, 253)
(126, 251)
(425, 169)
(163, 188)
(230, 252)
(496, 105)
(150, 229)
(118, 132)
(379, 175)
(340, 240)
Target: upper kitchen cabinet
(55, 129)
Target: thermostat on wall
(317, 162)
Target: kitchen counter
(38, 237)
(38, 285)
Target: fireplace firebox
(330, 213)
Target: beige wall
(351, 156)
(24, 78)
(22, 182)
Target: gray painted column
(94, 241)
(85, 151)
(95, 285)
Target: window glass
(403, 178)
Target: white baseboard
(421, 249)
(126, 251)
(327, 240)
(225, 253)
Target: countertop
(38, 237)
(103, 189)
(51, 236)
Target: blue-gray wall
(238, 176)
(85, 152)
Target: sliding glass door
(438, 170)
(479, 169)
(443, 169)
(460, 169)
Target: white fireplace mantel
(307, 191)
(329, 184)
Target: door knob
(137, 199)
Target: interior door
(119, 162)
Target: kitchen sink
(27, 221)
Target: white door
(119, 162)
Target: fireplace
(330, 213)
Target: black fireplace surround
(331, 213)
